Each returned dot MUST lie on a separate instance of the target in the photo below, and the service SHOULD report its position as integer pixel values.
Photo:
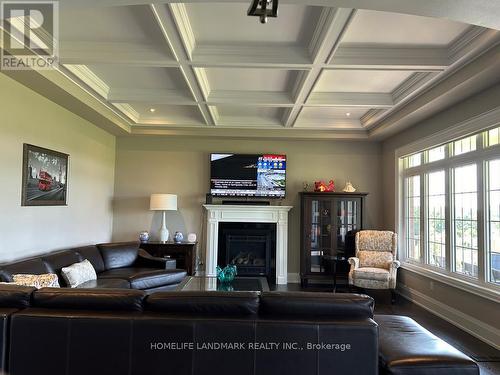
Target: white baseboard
(469, 324)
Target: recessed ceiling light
(348, 114)
(152, 110)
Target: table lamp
(163, 202)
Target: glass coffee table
(210, 283)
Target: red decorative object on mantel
(321, 186)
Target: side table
(184, 253)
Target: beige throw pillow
(78, 273)
(46, 280)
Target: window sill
(486, 291)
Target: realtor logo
(30, 35)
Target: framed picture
(45, 177)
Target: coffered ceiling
(207, 65)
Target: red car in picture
(45, 181)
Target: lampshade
(163, 202)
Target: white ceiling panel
(167, 114)
(229, 23)
(127, 24)
(250, 115)
(383, 81)
(140, 77)
(347, 113)
(402, 29)
(251, 79)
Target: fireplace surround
(247, 214)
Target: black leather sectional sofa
(117, 332)
(118, 265)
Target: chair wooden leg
(393, 296)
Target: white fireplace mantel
(247, 214)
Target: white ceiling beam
(350, 99)
(326, 39)
(379, 57)
(134, 54)
(168, 18)
(260, 98)
(153, 96)
(291, 57)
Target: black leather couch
(118, 265)
(106, 331)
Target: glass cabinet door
(320, 238)
(348, 222)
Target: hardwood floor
(485, 355)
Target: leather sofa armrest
(145, 259)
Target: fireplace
(249, 246)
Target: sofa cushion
(370, 273)
(105, 283)
(406, 348)
(93, 255)
(59, 260)
(15, 296)
(119, 255)
(204, 303)
(89, 299)
(378, 259)
(32, 266)
(145, 278)
(325, 305)
(78, 273)
(38, 281)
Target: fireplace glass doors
(249, 246)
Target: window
(493, 137)
(493, 225)
(465, 219)
(450, 216)
(436, 221)
(435, 154)
(413, 160)
(465, 145)
(413, 217)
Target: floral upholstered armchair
(375, 265)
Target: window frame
(483, 153)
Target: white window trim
(468, 127)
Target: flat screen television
(239, 175)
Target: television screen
(248, 175)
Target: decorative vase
(227, 274)
(178, 237)
(192, 237)
(144, 236)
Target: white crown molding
(411, 85)
(184, 28)
(89, 78)
(129, 111)
(350, 99)
(153, 96)
(250, 98)
(468, 41)
(371, 116)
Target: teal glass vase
(227, 274)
